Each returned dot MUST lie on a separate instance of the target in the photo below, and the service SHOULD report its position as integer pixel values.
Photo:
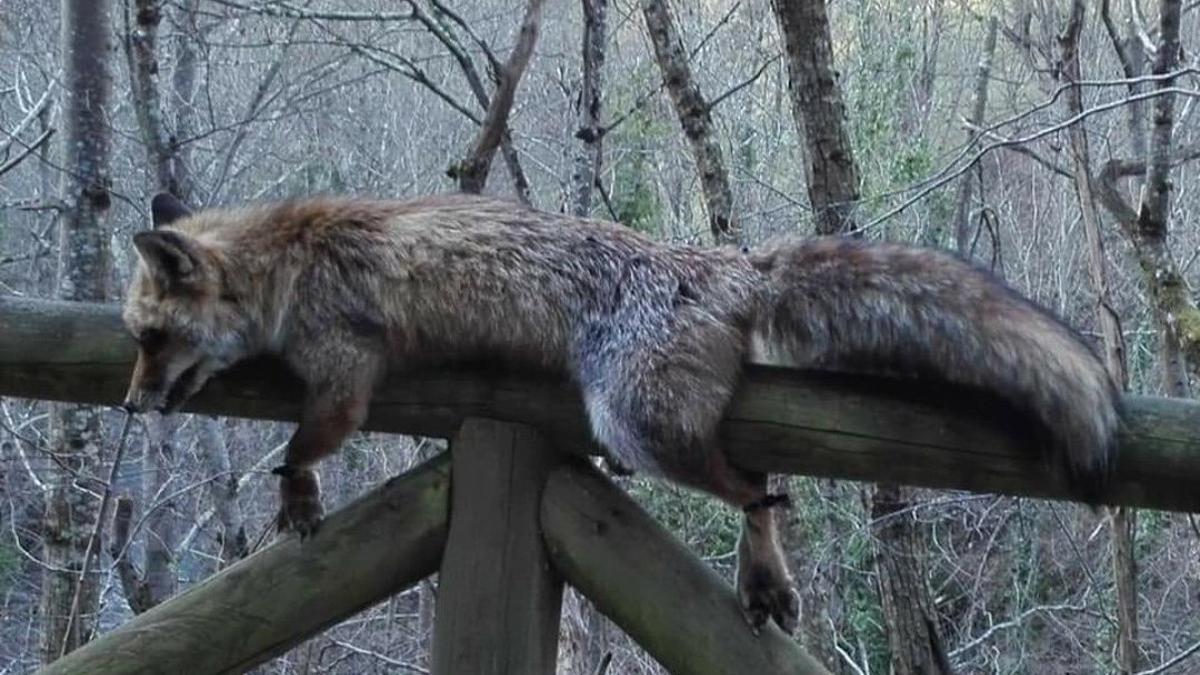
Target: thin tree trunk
(1155, 208)
(1123, 520)
(223, 491)
(1146, 228)
(141, 49)
(183, 85)
(83, 274)
(162, 533)
(588, 159)
(694, 116)
(819, 111)
(908, 610)
(983, 74)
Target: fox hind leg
(764, 585)
(647, 440)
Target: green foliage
(709, 527)
(633, 197)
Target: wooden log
(646, 581)
(782, 421)
(498, 598)
(261, 606)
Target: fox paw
(766, 593)
(616, 468)
(300, 497)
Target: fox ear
(165, 209)
(174, 259)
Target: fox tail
(885, 307)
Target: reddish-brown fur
(654, 335)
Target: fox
(654, 335)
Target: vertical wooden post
(498, 597)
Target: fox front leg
(328, 418)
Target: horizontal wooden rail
(783, 421)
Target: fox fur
(654, 335)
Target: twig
(947, 176)
(29, 150)
(1176, 660)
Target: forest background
(1055, 142)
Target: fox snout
(163, 385)
(147, 387)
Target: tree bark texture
(1123, 521)
(694, 116)
(966, 185)
(914, 638)
(1147, 226)
(820, 113)
(84, 267)
(589, 158)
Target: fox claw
(764, 594)
(300, 494)
(304, 522)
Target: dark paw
(766, 593)
(303, 518)
(616, 468)
(300, 498)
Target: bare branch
(472, 171)
(36, 109)
(280, 8)
(947, 174)
(743, 84)
(26, 151)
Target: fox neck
(267, 292)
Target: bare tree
(695, 117)
(472, 171)
(983, 76)
(1123, 520)
(69, 597)
(820, 113)
(589, 158)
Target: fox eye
(151, 339)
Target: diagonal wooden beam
(265, 604)
(782, 421)
(650, 585)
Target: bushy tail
(892, 308)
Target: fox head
(186, 320)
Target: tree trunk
(83, 274)
(183, 85)
(908, 610)
(819, 111)
(962, 205)
(695, 118)
(588, 159)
